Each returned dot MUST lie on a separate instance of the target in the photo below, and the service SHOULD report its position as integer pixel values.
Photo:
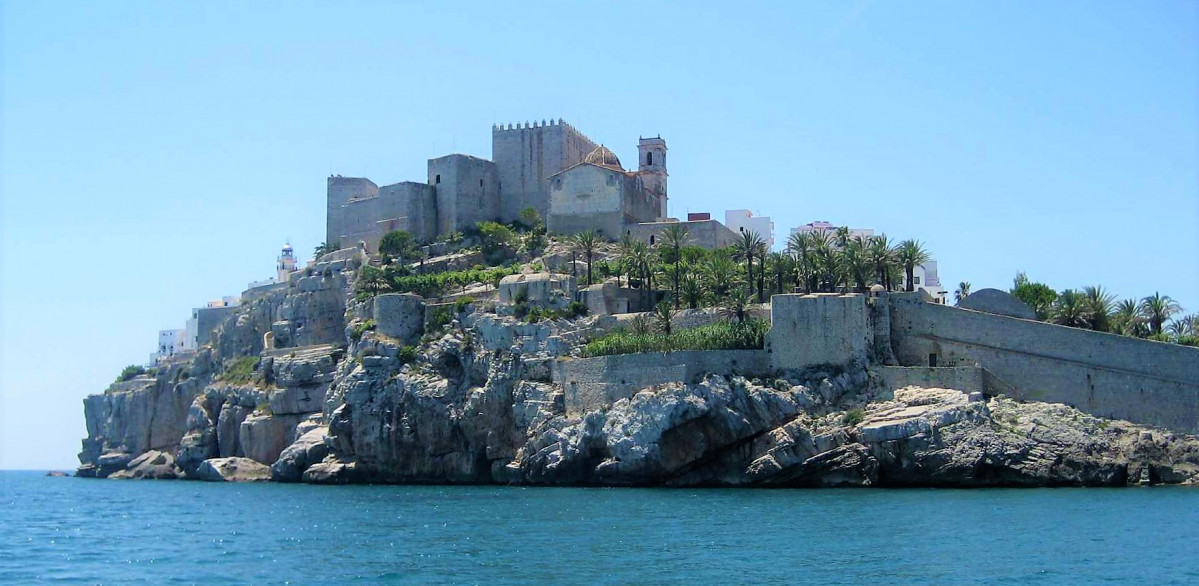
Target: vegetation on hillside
(130, 372)
(725, 335)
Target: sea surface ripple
(69, 530)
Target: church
(573, 183)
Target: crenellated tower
(652, 168)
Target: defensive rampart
(596, 383)
(1146, 382)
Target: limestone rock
(309, 449)
(232, 470)
(152, 464)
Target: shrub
(129, 372)
(440, 318)
(407, 354)
(717, 336)
(241, 371)
(497, 240)
(436, 284)
(852, 417)
(362, 328)
(462, 303)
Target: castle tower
(286, 264)
(652, 168)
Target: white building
(925, 278)
(823, 226)
(745, 221)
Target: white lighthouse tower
(286, 264)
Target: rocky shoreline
(475, 404)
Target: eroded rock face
(152, 464)
(232, 470)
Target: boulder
(299, 456)
(232, 470)
(152, 464)
(263, 437)
(400, 316)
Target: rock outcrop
(232, 470)
(474, 402)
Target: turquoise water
(108, 531)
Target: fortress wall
(639, 205)
(812, 330)
(597, 383)
(359, 221)
(207, 320)
(1146, 382)
(526, 157)
(968, 379)
(340, 190)
(408, 206)
(467, 191)
(708, 234)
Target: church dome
(603, 157)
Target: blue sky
(156, 155)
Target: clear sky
(157, 154)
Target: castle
(571, 182)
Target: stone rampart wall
(1146, 382)
(968, 379)
(813, 330)
(596, 383)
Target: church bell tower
(652, 168)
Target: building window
(437, 179)
(480, 183)
(649, 158)
(651, 240)
(915, 280)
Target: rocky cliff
(473, 402)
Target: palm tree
(1184, 326)
(625, 246)
(746, 248)
(853, 262)
(799, 245)
(1098, 304)
(692, 291)
(737, 306)
(962, 293)
(842, 237)
(1070, 309)
(1127, 320)
(641, 263)
(662, 315)
(674, 238)
(325, 248)
(719, 275)
(585, 242)
(823, 264)
(780, 265)
(910, 254)
(882, 258)
(1157, 309)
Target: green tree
(1127, 320)
(530, 219)
(1157, 309)
(799, 245)
(736, 307)
(746, 249)
(497, 240)
(398, 245)
(692, 291)
(674, 238)
(585, 242)
(962, 293)
(781, 267)
(910, 254)
(719, 275)
(1037, 296)
(371, 280)
(1070, 309)
(854, 262)
(662, 315)
(1098, 304)
(325, 248)
(881, 256)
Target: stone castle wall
(595, 383)
(1146, 382)
(708, 234)
(525, 158)
(467, 192)
(813, 330)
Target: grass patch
(242, 371)
(750, 335)
(575, 309)
(362, 328)
(130, 372)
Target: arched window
(480, 183)
(651, 240)
(437, 179)
(649, 158)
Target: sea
(87, 531)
